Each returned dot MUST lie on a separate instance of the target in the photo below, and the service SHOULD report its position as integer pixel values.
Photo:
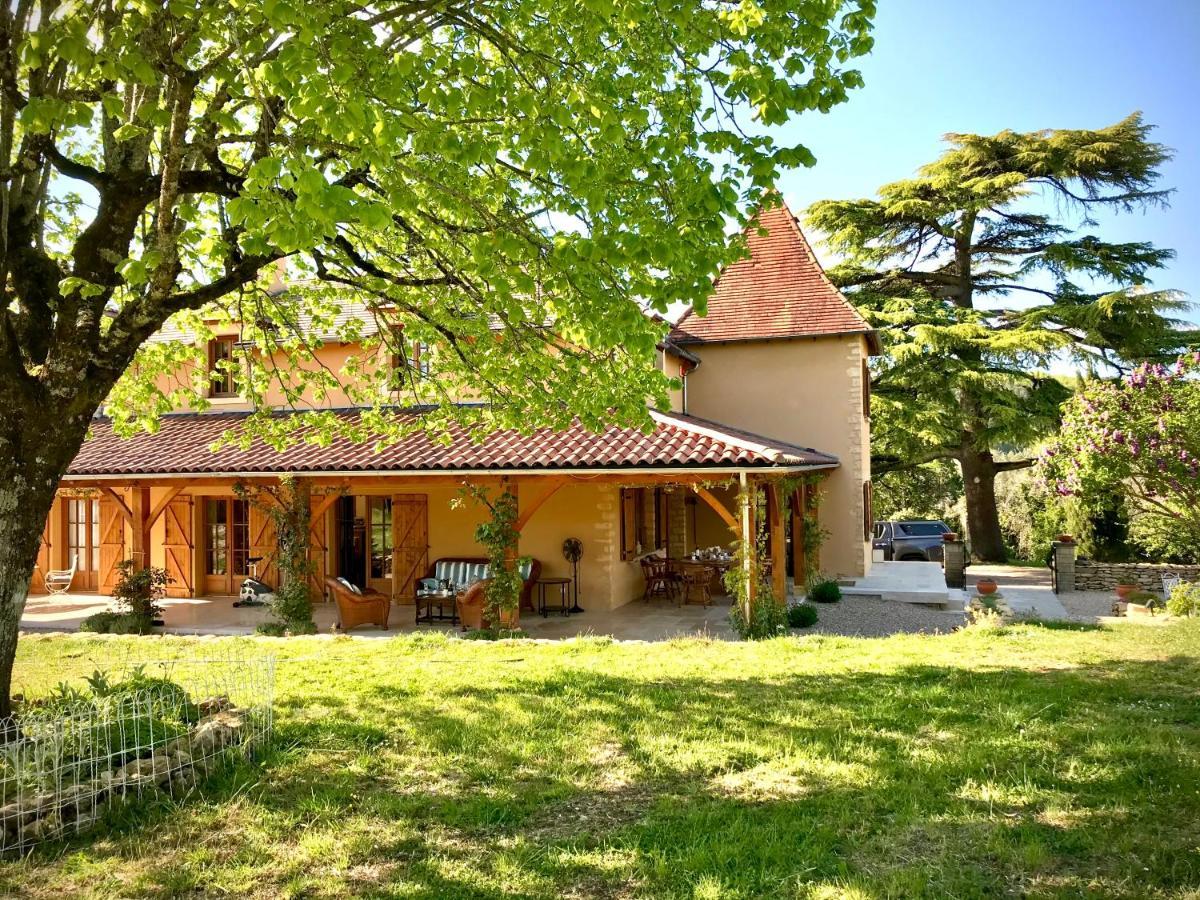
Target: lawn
(1027, 761)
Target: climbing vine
(498, 536)
(287, 505)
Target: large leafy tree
(977, 291)
(470, 172)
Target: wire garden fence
(145, 730)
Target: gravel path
(867, 617)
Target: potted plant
(501, 606)
(949, 536)
(986, 586)
(1124, 589)
(1066, 539)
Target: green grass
(1027, 761)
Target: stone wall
(1099, 576)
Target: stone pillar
(954, 561)
(1064, 566)
(677, 524)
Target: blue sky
(985, 65)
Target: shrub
(138, 591)
(767, 620)
(1184, 599)
(802, 615)
(292, 607)
(494, 634)
(109, 622)
(825, 591)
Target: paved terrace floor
(657, 620)
(1027, 590)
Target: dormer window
(221, 367)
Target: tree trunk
(37, 445)
(983, 519)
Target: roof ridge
(778, 290)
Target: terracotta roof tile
(181, 447)
(778, 291)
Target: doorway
(226, 533)
(363, 528)
(82, 521)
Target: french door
(226, 535)
(82, 522)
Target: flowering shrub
(1139, 438)
(1184, 600)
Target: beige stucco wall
(808, 392)
(589, 512)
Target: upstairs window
(416, 365)
(422, 356)
(220, 368)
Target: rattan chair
(368, 608)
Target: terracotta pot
(1066, 539)
(950, 536)
(510, 618)
(1124, 590)
(985, 586)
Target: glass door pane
(216, 548)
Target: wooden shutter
(629, 522)
(866, 389)
(318, 546)
(264, 543)
(179, 547)
(112, 543)
(410, 543)
(868, 513)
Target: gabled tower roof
(778, 291)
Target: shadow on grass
(924, 781)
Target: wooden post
(510, 485)
(749, 549)
(778, 548)
(811, 511)
(799, 561)
(139, 547)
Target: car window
(880, 528)
(921, 529)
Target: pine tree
(946, 264)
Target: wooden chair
(697, 583)
(660, 580)
(368, 608)
(58, 581)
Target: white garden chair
(58, 581)
(1170, 582)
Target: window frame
(222, 385)
(385, 527)
(636, 532)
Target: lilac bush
(1138, 438)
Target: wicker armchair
(368, 608)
